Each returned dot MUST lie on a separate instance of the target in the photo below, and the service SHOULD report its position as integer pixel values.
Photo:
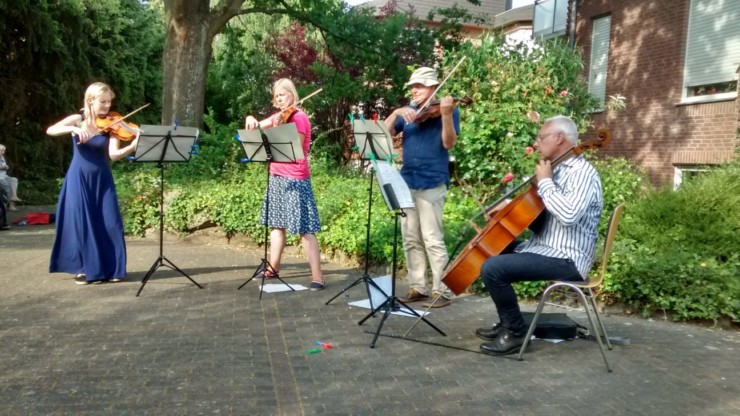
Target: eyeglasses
(543, 137)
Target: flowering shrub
(515, 86)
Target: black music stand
(374, 142)
(160, 144)
(398, 197)
(279, 144)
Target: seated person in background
(564, 243)
(8, 183)
(3, 214)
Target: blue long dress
(89, 228)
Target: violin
(282, 116)
(432, 109)
(114, 124)
(286, 114)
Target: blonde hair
(287, 85)
(2, 147)
(95, 90)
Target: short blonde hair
(95, 90)
(287, 85)
(2, 147)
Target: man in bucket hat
(426, 172)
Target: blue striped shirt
(573, 204)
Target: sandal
(81, 279)
(266, 275)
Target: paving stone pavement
(179, 350)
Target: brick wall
(646, 58)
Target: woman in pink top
(292, 203)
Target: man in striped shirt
(562, 245)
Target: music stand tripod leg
(265, 265)
(392, 301)
(172, 266)
(159, 262)
(365, 277)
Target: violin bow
(120, 120)
(308, 96)
(426, 103)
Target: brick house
(512, 17)
(675, 61)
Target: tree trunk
(191, 27)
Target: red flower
(563, 93)
(529, 150)
(548, 90)
(508, 178)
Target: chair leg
(533, 325)
(593, 328)
(598, 318)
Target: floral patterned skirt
(292, 205)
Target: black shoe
(504, 344)
(489, 334)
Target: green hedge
(675, 251)
(679, 251)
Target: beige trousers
(423, 238)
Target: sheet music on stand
(165, 143)
(285, 144)
(394, 189)
(372, 137)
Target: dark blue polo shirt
(425, 160)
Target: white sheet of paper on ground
(279, 287)
(365, 303)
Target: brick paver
(176, 349)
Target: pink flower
(563, 93)
(508, 178)
(529, 150)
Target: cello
(507, 224)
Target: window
(712, 50)
(513, 4)
(599, 58)
(685, 173)
(550, 18)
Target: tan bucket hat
(425, 76)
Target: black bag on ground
(552, 325)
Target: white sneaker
(11, 207)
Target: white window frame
(710, 58)
(680, 170)
(550, 18)
(599, 60)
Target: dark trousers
(499, 272)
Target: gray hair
(566, 126)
